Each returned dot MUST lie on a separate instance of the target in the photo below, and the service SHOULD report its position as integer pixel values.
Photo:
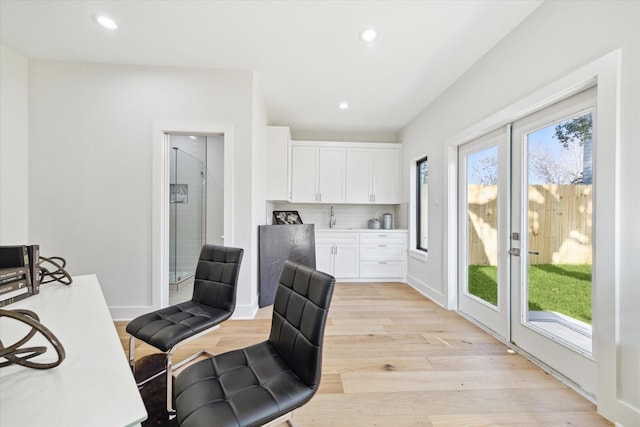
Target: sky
(482, 165)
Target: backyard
(562, 288)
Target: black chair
(213, 301)
(263, 384)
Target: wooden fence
(560, 224)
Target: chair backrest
(299, 316)
(216, 278)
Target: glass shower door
(186, 222)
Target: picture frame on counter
(286, 218)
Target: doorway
(195, 205)
(187, 205)
(525, 227)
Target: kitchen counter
(364, 230)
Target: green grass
(564, 288)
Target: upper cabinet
(278, 158)
(317, 173)
(334, 172)
(373, 175)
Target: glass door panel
(187, 208)
(559, 230)
(483, 293)
(482, 227)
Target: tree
(565, 168)
(578, 129)
(485, 170)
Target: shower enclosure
(187, 208)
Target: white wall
(91, 139)
(557, 39)
(14, 148)
(258, 184)
(215, 189)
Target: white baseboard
(245, 312)
(426, 290)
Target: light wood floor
(394, 358)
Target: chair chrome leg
(169, 364)
(132, 356)
(170, 409)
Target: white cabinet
(317, 173)
(337, 253)
(373, 175)
(362, 255)
(331, 174)
(304, 174)
(385, 176)
(278, 158)
(358, 182)
(383, 255)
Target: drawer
(332, 237)
(382, 269)
(382, 252)
(383, 238)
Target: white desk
(92, 387)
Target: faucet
(332, 219)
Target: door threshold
(566, 329)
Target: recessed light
(369, 35)
(343, 106)
(105, 22)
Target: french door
(482, 230)
(525, 227)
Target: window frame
(419, 202)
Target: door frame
(160, 198)
(605, 71)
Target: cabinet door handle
(382, 246)
(374, 197)
(382, 262)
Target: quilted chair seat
(258, 384)
(164, 328)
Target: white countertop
(92, 387)
(365, 230)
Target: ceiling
(307, 55)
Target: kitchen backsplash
(346, 216)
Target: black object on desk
(279, 243)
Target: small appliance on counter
(387, 221)
(374, 223)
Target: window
(422, 184)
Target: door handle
(514, 251)
(534, 253)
